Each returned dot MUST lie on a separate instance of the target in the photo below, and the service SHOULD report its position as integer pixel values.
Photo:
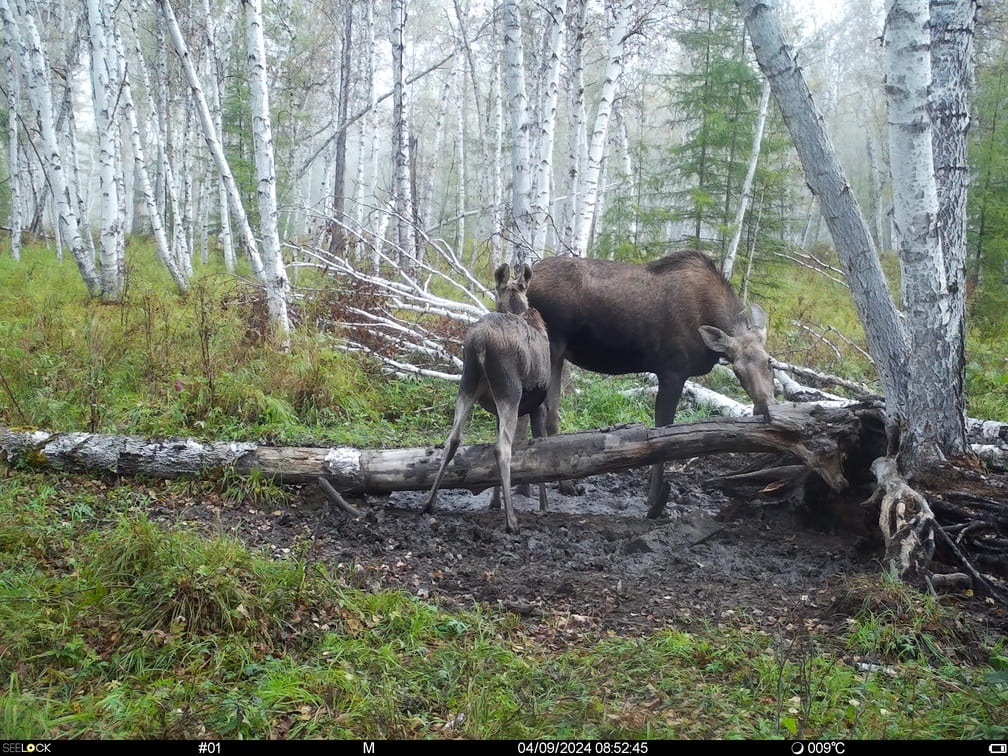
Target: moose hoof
(658, 505)
(571, 488)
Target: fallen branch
(907, 523)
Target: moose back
(674, 317)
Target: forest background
(383, 158)
(443, 138)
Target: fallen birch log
(819, 437)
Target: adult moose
(674, 317)
(505, 367)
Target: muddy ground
(595, 562)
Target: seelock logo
(26, 748)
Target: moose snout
(763, 408)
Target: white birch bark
(497, 166)
(855, 246)
(401, 139)
(903, 345)
(745, 195)
(542, 184)
(143, 175)
(460, 138)
(66, 127)
(166, 185)
(366, 184)
(577, 131)
(275, 278)
(31, 53)
(927, 300)
(952, 59)
(12, 83)
(520, 230)
(426, 210)
(216, 111)
(104, 76)
(620, 22)
(216, 150)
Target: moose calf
(506, 368)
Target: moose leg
(507, 419)
(669, 391)
(524, 489)
(552, 401)
(538, 419)
(463, 406)
(552, 406)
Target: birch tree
(952, 23)
(31, 53)
(12, 85)
(902, 342)
(556, 24)
(217, 112)
(619, 14)
(520, 226)
(143, 177)
(745, 194)
(577, 139)
(402, 191)
(337, 235)
(275, 274)
(104, 78)
(275, 285)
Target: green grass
(113, 627)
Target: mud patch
(594, 559)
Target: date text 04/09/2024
(583, 747)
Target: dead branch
(906, 521)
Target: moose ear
(526, 272)
(758, 320)
(503, 274)
(717, 340)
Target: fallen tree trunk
(820, 438)
(837, 444)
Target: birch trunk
(12, 83)
(143, 175)
(216, 111)
(401, 142)
(105, 70)
(815, 435)
(855, 247)
(337, 234)
(910, 349)
(367, 173)
(425, 211)
(620, 24)
(275, 280)
(30, 52)
(927, 300)
(263, 276)
(546, 124)
(460, 138)
(497, 166)
(745, 194)
(577, 134)
(520, 231)
(952, 25)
